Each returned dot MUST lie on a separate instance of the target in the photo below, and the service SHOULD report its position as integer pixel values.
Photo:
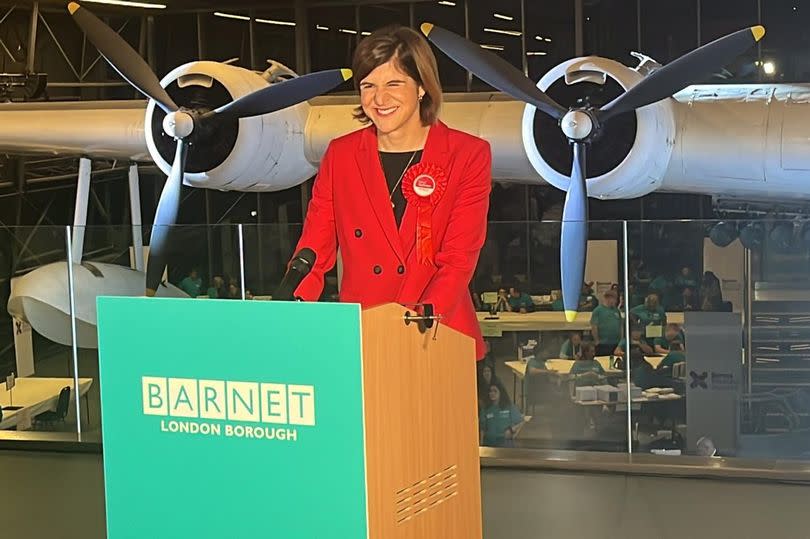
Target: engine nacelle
(630, 157)
(235, 155)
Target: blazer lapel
(436, 151)
(371, 172)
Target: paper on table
(653, 332)
(24, 422)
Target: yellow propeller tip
(346, 73)
(758, 32)
(570, 316)
(73, 7)
(426, 27)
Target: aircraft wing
(95, 129)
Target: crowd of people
(651, 334)
(192, 284)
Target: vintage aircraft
(738, 141)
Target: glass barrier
(37, 365)
(546, 382)
(718, 314)
(200, 262)
(739, 359)
(267, 250)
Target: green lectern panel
(230, 418)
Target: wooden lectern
(423, 472)
(285, 419)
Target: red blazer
(351, 209)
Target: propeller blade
(574, 239)
(122, 57)
(165, 218)
(283, 94)
(688, 69)
(492, 69)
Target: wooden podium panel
(422, 464)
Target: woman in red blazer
(406, 198)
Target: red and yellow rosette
(423, 186)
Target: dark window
(333, 37)
(668, 29)
(450, 16)
(721, 17)
(549, 34)
(496, 26)
(786, 45)
(611, 29)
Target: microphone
(300, 266)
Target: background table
(35, 395)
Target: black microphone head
(299, 267)
(307, 255)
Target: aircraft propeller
(180, 123)
(581, 124)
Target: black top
(393, 164)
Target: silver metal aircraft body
(732, 141)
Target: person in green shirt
(500, 421)
(606, 324)
(216, 289)
(672, 332)
(520, 301)
(557, 302)
(675, 355)
(685, 280)
(192, 284)
(636, 340)
(587, 370)
(651, 317)
(587, 299)
(642, 373)
(572, 347)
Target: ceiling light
(446, 3)
(493, 47)
(231, 16)
(547, 40)
(505, 32)
(127, 3)
(504, 17)
(347, 31)
(277, 23)
(536, 53)
(365, 33)
(319, 27)
(769, 68)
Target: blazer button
(358, 233)
(377, 270)
(401, 270)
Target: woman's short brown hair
(413, 55)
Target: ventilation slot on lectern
(426, 494)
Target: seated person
(192, 284)
(672, 332)
(499, 422)
(556, 301)
(536, 366)
(586, 369)
(520, 301)
(689, 300)
(635, 340)
(587, 299)
(652, 317)
(642, 373)
(572, 347)
(486, 378)
(675, 355)
(502, 303)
